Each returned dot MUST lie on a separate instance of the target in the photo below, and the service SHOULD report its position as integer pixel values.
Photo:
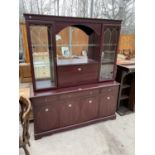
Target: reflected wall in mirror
(44, 78)
(74, 45)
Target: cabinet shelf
(123, 97)
(126, 86)
(73, 62)
(76, 45)
(108, 62)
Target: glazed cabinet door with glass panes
(108, 52)
(42, 56)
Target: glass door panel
(109, 46)
(106, 72)
(42, 58)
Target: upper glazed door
(109, 50)
(42, 56)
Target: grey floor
(114, 137)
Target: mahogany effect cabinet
(73, 64)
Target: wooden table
(126, 98)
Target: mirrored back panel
(75, 46)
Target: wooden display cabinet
(73, 63)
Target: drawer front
(79, 93)
(109, 90)
(78, 74)
(43, 100)
(108, 101)
(46, 117)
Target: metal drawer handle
(90, 101)
(108, 98)
(46, 110)
(79, 69)
(70, 105)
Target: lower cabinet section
(67, 109)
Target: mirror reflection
(72, 46)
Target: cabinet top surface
(73, 89)
(67, 18)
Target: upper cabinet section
(69, 51)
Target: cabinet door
(108, 101)
(42, 54)
(109, 50)
(77, 74)
(89, 108)
(46, 117)
(69, 112)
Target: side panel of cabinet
(108, 101)
(46, 117)
(69, 112)
(89, 108)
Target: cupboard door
(109, 50)
(69, 112)
(89, 108)
(77, 74)
(42, 56)
(46, 117)
(108, 101)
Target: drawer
(79, 93)
(109, 90)
(78, 68)
(77, 74)
(44, 99)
